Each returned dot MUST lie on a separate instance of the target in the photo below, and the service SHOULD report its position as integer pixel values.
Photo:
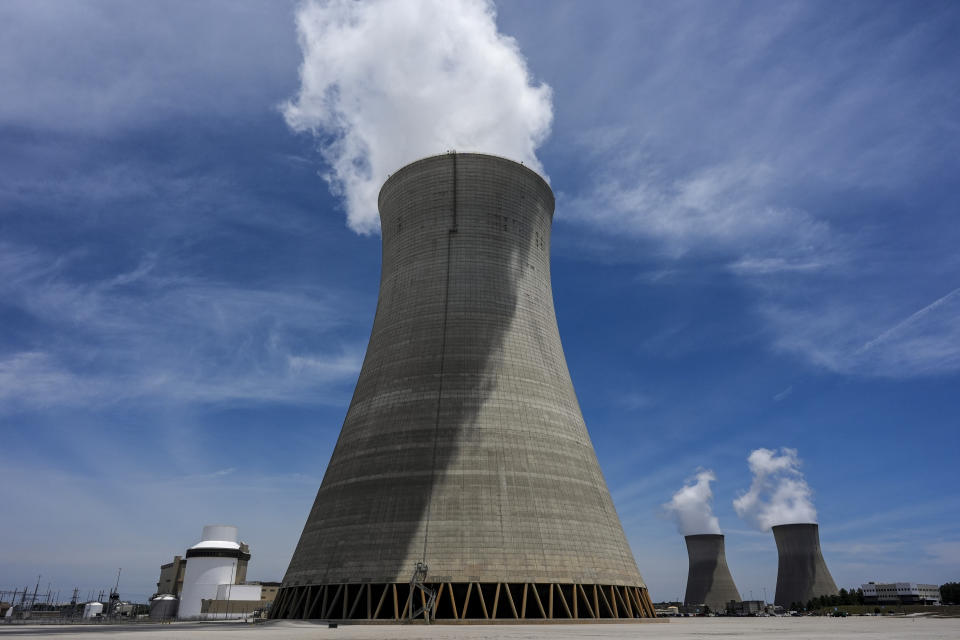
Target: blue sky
(754, 246)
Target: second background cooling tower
(708, 579)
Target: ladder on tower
(416, 583)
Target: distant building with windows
(746, 607)
(900, 593)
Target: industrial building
(217, 560)
(708, 578)
(746, 607)
(239, 600)
(802, 573)
(210, 579)
(900, 593)
(464, 485)
(171, 577)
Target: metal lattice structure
(473, 602)
(464, 448)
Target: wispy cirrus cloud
(109, 67)
(842, 338)
(145, 335)
(812, 180)
(268, 509)
(724, 210)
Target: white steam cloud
(384, 83)
(779, 494)
(690, 506)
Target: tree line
(949, 594)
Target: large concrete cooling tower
(464, 484)
(708, 579)
(802, 574)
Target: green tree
(950, 593)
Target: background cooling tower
(802, 574)
(464, 447)
(708, 579)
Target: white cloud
(722, 209)
(840, 337)
(778, 494)
(776, 152)
(102, 67)
(143, 335)
(783, 395)
(385, 83)
(690, 507)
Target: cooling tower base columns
(464, 602)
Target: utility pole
(37, 586)
(115, 595)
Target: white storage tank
(163, 607)
(210, 563)
(92, 609)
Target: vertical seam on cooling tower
(443, 357)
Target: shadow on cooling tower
(453, 268)
(464, 447)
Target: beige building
(171, 576)
(238, 601)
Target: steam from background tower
(779, 494)
(690, 507)
(384, 83)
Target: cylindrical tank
(163, 607)
(464, 447)
(92, 609)
(708, 578)
(802, 573)
(210, 563)
(226, 532)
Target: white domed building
(217, 560)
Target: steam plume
(778, 494)
(690, 506)
(384, 83)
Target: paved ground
(857, 628)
